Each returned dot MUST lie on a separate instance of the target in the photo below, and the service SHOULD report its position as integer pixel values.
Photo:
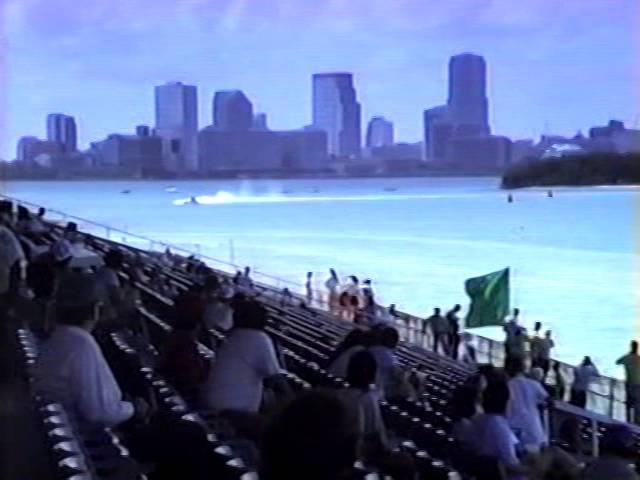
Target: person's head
(495, 398)
(457, 308)
(333, 273)
(587, 361)
(309, 275)
(250, 314)
(392, 308)
(537, 327)
(547, 334)
(77, 300)
(361, 372)
(247, 271)
(634, 346)
(367, 282)
(514, 367)
(41, 212)
(315, 437)
(516, 313)
(113, 259)
(618, 441)
(389, 337)
(464, 401)
(436, 311)
(354, 279)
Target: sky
(554, 66)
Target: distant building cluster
(456, 136)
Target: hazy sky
(554, 65)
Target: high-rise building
(62, 129)
(232, 111)
(260, 121)
(438, 130)
(379, 133)
(468, 104)
(143, 131)
(177, 124)
(24, 148)
(336, 111)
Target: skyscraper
(177, 124)
(232, 110)
(62, 129)
(438, 130)
(468, 105)
(336, 111)
(379, 133)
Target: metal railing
(606, 396)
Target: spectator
(332, 285)
(108, 284)
(583, 375)
(71, 368)
(244, 283)
(489, 434)
(439, 328)
(359, 397)
(11, 258)
(464, 407)
(180, 361)
(535, 345)
(369, 303)
(453, 326)
(468, 350)
(391, 380)
(616, 458)
(544, 352)
(314, 438)
(308, 286)
(523, 413)
(355, 341)
(510, 328)
(218, 313)
(516, 346)
(244, 361)
(344, 305)
(631, 364)
(559, 384)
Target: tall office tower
(379, 133)
(468, 104)
(232, 111)
(62, 129)
(177, 124)
(336, 111)
(438, 130)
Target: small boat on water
(193, 201)
(550, 193)
(510, 198)
(125, 192)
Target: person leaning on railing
(631, 364)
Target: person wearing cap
(616, 458)
(71, 368)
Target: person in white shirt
(489, 434)
(308, 286)
(332, 285)
(545, 346)
(583, 375)
(523, 413)
(244, 361)
(71, 368)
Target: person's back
(631, 364)
(243, 362)
(71, 368)
(527, 396)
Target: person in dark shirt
(453, 320)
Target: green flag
(489, 299)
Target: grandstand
(190, 442)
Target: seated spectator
(218, 313)
(527, 396)
(108, 284)
(338, 361)
(361, 397)
(489, 434)
(616, 457)
(244, 361)
(71, 368)
(314, 438)
(180, 361)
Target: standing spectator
(535, 345)
(560, 384)
(544, 353)
(516, 344)
(631, 364)
(453, 321)
(439, 329)
(332, 285)
(510, 328)
(583, 375)
(308, 286)
(523, 413)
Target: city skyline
(544, 59)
